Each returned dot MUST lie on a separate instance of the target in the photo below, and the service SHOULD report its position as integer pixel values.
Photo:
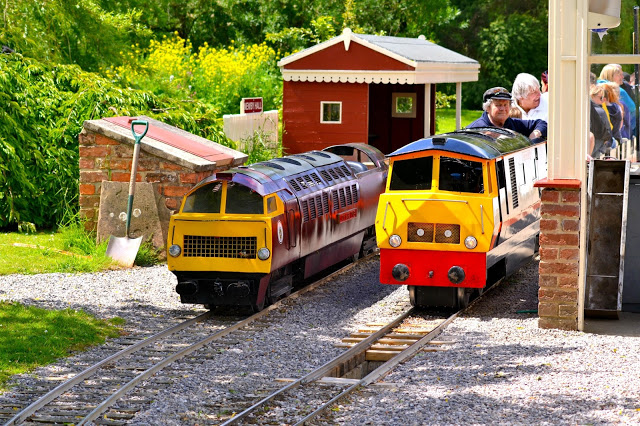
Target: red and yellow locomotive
(459, 212)
(246, 236)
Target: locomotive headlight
(264, 253)
(470, 242)
(175, 250)
(395, 240)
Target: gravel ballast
(500, 368)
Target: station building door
(396, 115)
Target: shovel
(124, 249)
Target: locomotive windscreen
(414, 174)
(243, 200)
(460, 175)
(205, 199)
(208, 199)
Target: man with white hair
(497, 105)
(528, 99)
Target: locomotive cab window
(272, 206)
(413, 175)
(243, 200)
(205, 199)
(461, 175)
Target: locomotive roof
(267, 177)
(482, 142)
(279, 168)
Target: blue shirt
(524, 127)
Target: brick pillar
(559, 256)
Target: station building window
(331, 112)
(403, 105)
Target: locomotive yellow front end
(220, 243)
(436, 221)
(445, 209)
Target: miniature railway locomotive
(459, 212)
(248, 235)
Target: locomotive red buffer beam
(433, 268)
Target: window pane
(271, 205)
(414, 174)
(243, 200)
(404, 105)
(205, 199)
(331, 112)
(461, 175)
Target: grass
(70, 249)
(446, 119)
(31, 337)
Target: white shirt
(540, 112)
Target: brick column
(559, 255)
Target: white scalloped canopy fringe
(349, 79)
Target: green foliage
(33, 337)
(70, 32)
(147, 255)
(403, 18)
(39, 127)
(258, 148)
(218, 77)
(511, 45)
(443, 100)
(293, 39)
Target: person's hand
(535, 134)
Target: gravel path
(501, 368)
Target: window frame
(322, 104)
(394, 104)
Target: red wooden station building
(365, 88)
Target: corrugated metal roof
(416, 49)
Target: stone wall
(103, 158)
(559, 258)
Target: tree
(60, 31)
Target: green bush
(45, 107)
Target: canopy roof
(388, 60)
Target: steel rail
(323, 369)
(59, 390)
(393, 362)
(102, 407)
(384, 368)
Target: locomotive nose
(400, 272)
(456, 274)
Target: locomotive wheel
(257, 307)
(463, 296)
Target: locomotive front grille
(229, 247)
(443, 233)
(447, 233)
(414, 229)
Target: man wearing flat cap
(496, 105)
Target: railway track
(129, 377)
(374, 351)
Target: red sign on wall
(250, 105)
